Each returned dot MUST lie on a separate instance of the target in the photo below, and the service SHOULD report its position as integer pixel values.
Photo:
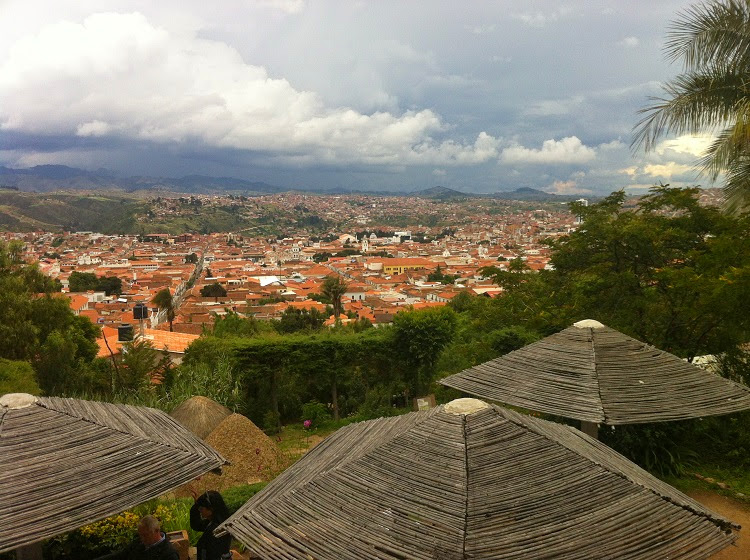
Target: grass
(736, 478)
(294, 440)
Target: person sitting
(207, 513)
(151, 544)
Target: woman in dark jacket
(207, 513)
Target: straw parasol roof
(596, 374)
(468, 480)
(200, 415)
(68, 462)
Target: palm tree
(164, 301)
(712, 95)
(333, 288)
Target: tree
(17, 377)
(65, 360)
(671, 272)
(165, 302)
(712, 95)
(233, 325)
(296, 320)
(140, 363)
(85, 281)
(334, 288)
(321, 257)
(110, 285)
(509, 278)
(82, 281)
(39, 328)
(438, 276)
(192, 258)
(419, 337)
(214, 290)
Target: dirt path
(733, 510)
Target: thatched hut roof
(68, 462)
(200, 415)
(468, 480)
(596, 374)
(252, 455)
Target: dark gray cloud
(477, 96)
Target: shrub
(271, 422)
(117, 531)
(317, 413)
(664, 448)
(17, 377)
(218, 381)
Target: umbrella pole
(30, 552)
(590, 429)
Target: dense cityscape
(295, 280)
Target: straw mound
(253, 456)
(200, 415)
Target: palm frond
(729, 146)
(737, 186)
(714, 34)
(693, 103)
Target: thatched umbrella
(68, 462)
(200, 415)
(600, 376)
(468, 480)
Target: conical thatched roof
(468, 480)
(200, 415)
(68, 462)
(252, 455)
(596, 374)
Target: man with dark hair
(152, 544)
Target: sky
(476, 96)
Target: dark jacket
(209, 547)
(137, 551)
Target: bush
(271, 422)
(17, 377)
(725, 440)
(218, 381)
(377, 404)
(317, 413)
(118, 531)
(664, 448)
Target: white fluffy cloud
(568, 150)
(668, 169)
(120, 75)
(693, 146)
(567, 187)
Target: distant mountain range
(48, 178)
(524, 193)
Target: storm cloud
(381, 94)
